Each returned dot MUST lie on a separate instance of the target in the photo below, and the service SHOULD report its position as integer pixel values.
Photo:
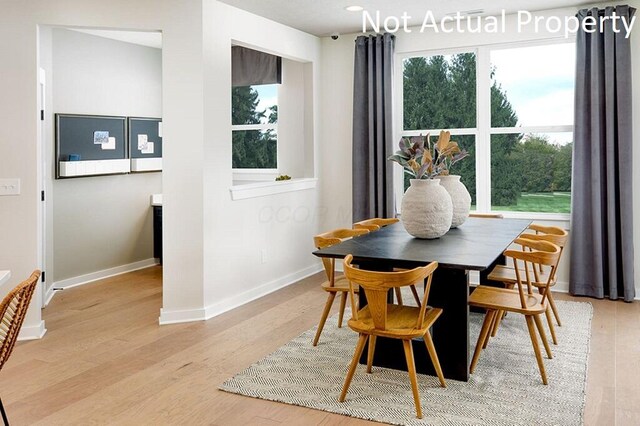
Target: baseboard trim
(49, 295)
(99, 275)
(32, 332)
(208, 312)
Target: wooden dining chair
(13, 310)
(335, 283)
(506, 274)
(380, 318)
(521, 300)
(376, 224)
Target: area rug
(505, 388)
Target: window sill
(551, 217)
(263, 189)
(556, 217)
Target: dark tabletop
(474, 245)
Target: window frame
(483, 130)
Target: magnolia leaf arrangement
(425, 160)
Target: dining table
(476, 245)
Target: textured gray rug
(505, 389)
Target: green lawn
(545, 202)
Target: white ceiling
(325, 17)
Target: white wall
(252, 246)
(337, 100)
(104, 221)
(292, 146)
(183, 98)
(213, 247)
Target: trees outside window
(254, 119)
(525, 128)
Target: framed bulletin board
(145, 144)
(88, 145)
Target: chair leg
(543, 336)
(496, 322)
(415, 295)
(398, 295)
(494, 318)
(483, 334)
(536, 348)
(354, 363)
(552, 329)
(370, 353)
(343, 303)
(552, 302)
(4, 414)
(411, 367)
(434, 358)
(323, 319)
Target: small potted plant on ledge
(427, 206)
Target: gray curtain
(372, 127)
(249, 67)
(602, 213)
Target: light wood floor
(105, 359)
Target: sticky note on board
(110, 145)
(142, 142)
(160, 129)
(148, 149)
(100, 137)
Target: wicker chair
(13, 309)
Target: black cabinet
(157, 232)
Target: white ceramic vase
(459, 196)
(426, 209)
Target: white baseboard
(561, 287)
(98, 275)
(32, 332)
(208, 312)
(49, 295)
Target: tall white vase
(459, 196)
(426, 209)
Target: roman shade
(250, 67)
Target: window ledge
(559, 217)
(263, 189)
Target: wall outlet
(264, 255)
(9, 186)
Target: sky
(267, 96)
(539, 83)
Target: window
(439, 92)
(531, 117)
(511, 108)
(254, 119)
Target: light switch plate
(9, 186)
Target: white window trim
(263, 189)
(482, 132)
(253, 175)
(260, 126)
